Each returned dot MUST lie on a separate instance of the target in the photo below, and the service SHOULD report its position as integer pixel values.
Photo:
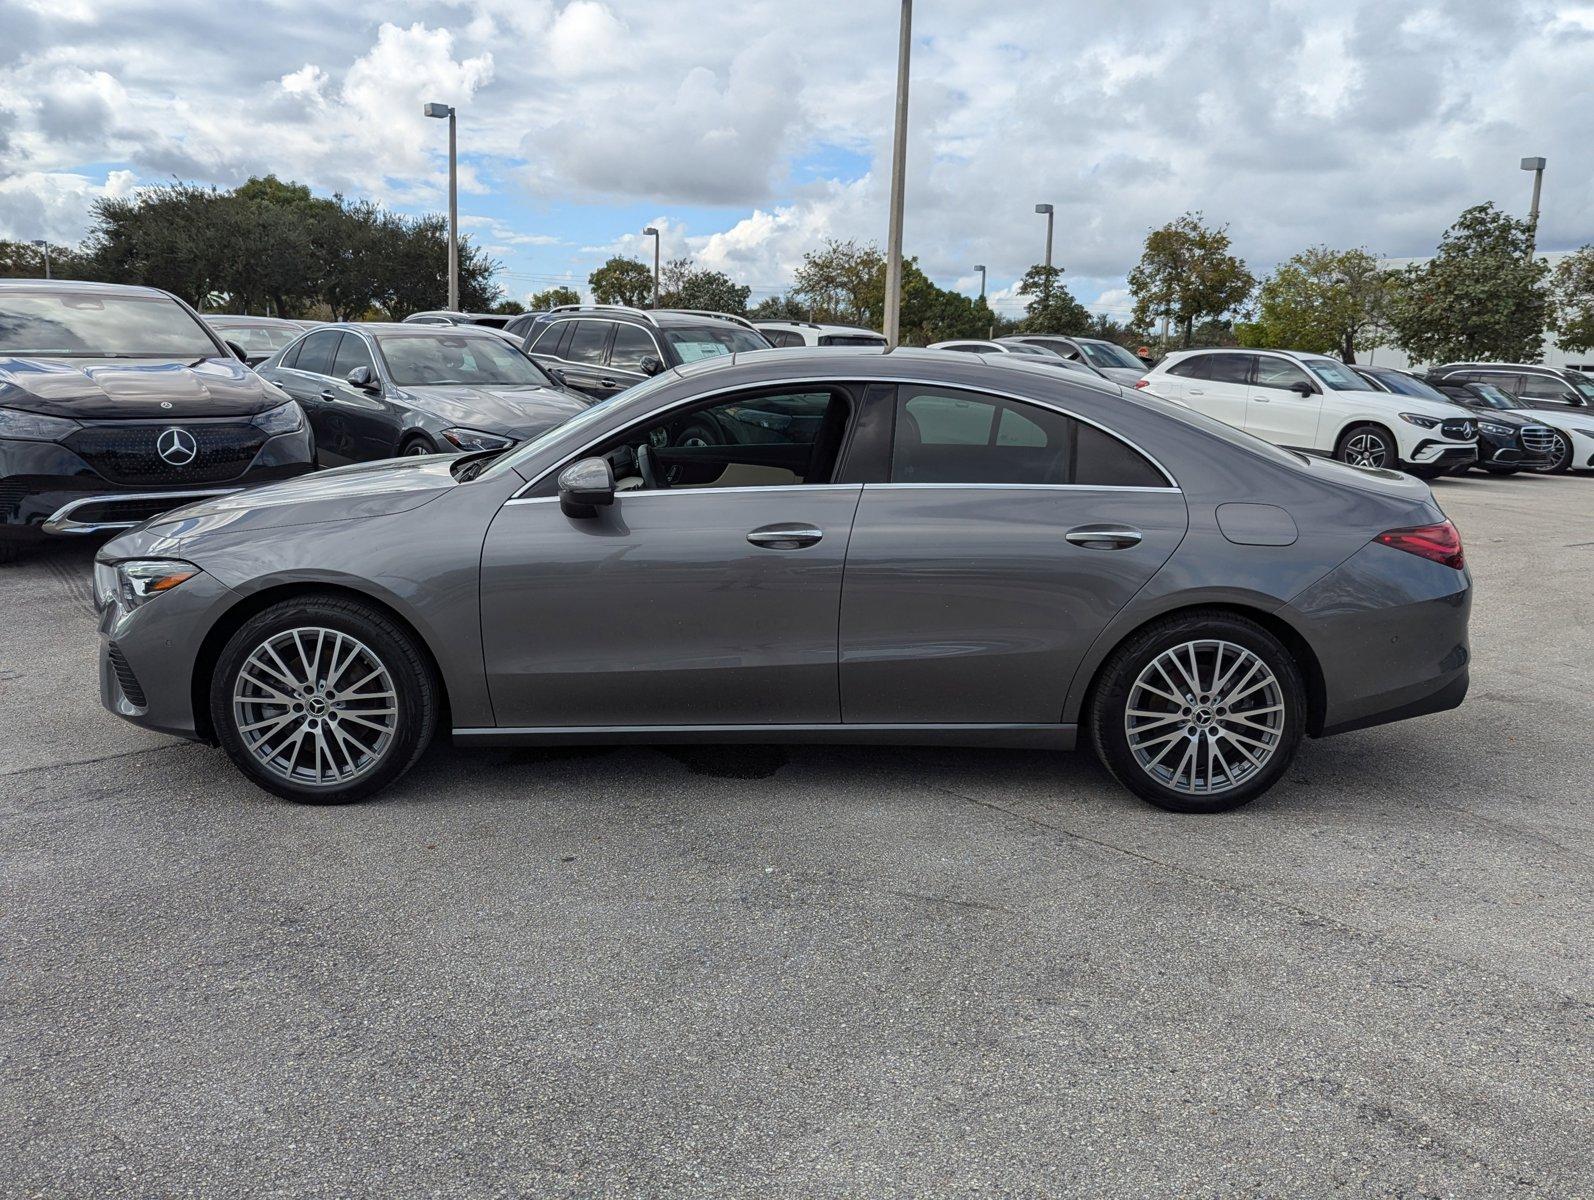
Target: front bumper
(1389, 630)
(46, 489)
(1436, 453)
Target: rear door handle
(1104, 537)
(789, 536)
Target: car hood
(1503, 416)
(517, 411)
(347, 493)
(86, 389)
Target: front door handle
(790, 536)
(607, 383)
(1198, 391)
(328, 394)
(1104, 537)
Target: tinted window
(1194, 367)
(290, 356)
(1277, 373)
(782, 337)
(257, 339)
(945, 436)
(1506, 383)
(631, 345)
(548, 337)
(1229, 368)
(481, 359)
(316, 351)
(1545, 387)
(850, 339)
(589, 342)
(351, 353)
(1107, 354)
(88, 325)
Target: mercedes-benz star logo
(177, 446)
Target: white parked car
(1030, 353)
(810, 333)
(1315, 403)
(1109, 358)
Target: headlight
(1497, 430)
(139, 579)
(33, 427)
(285, 418)
(475, 439)
(1419, 419)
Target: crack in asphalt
(85, 762)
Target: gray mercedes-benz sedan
(807, 545)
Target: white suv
(1315, 403)
(809, 333)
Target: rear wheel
(1368, 446)
(323, 700)
(1560, 459)
(1199, 713)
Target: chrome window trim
(659, 354)
(842, 380)
(694, 491)
(1034, 487)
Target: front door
(1278, 414)
(1007, 539)
(708, 594)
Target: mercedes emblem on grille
(177, 446)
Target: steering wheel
(647, 467)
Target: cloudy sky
(750, 130)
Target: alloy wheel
(1204, 716)
(1366, 449)
(315, 707)
(1556, 452)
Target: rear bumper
(1389, 630)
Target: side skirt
(1022, 737)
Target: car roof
(820, 326)
(80, 285)
(240, 318)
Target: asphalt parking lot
(858, 972)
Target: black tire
(1502, 470)
(9, 552)
(1427, 471)
(1109, 706)
(1562, 462)
(416, 700)
(417, 444)
(1363, 440)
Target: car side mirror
(1301, 388)
(238, 352)
(651, 365)
(363, 378)
(585, 487)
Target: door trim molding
(1020, 737)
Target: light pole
(980, 267)
(899, 169)
(440, 111)
(1046, 285)
(650, 231)
(1536, 165)
(44, 246)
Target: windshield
(582, 420)
(261, 339)
(1583, 384)
(419, 359)
(1037, 351)
(1106, 354)
(87, 325)
(1405, 385)
(1494, 397)
(693, 342)
(1337, 375)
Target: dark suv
(601, 349)
(118, 404)
(1562, 398)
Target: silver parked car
(804, 545)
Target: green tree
(24, 260)
(553, 298)
(1322, 300)
(681, 285)
(1186, 273)
(1572, 290)
(843, 283)
(1052, 307)
(1481, 296)
(778, 308)
(622, 281)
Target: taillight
(1140, 383)
(1439, 543)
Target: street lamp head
(650, 232)
(40, 243)
(979, 266)
(1043, 208)
(1533, 164)
(439, 110)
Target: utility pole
(1046, 288)
(899, 168)
(1536, 165)
(439, 111)
(980, 267)
(44, 245)
(650, 230)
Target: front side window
(1546, 387)
(1277, 373)
(631, 345)
(773, 439)
(316, 352)
(693, 342)
(419, 359)
(1337, 375)
(351, 353)
(1583, 384)
(945, 436)
(99, 325)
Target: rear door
(1006, 539)
(1278, 414)
(1225, 392)
(584, 358)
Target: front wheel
(1368, 446)
(1199, 713)
(1560, 455)
(323, 700)
(418, 447)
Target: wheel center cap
(1203, 716)
(316, 706)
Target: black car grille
(125, 677)
(1460, 427)
(124, 452)
(1539, 438)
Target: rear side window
(947, 436)
(1194, 367)
(316, 351)
(589, 343)
(782, 337)
(1229, 368)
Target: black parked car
(602, 349)
(376, 391)
(1507, 442)
(119, 403)
(258, 337)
